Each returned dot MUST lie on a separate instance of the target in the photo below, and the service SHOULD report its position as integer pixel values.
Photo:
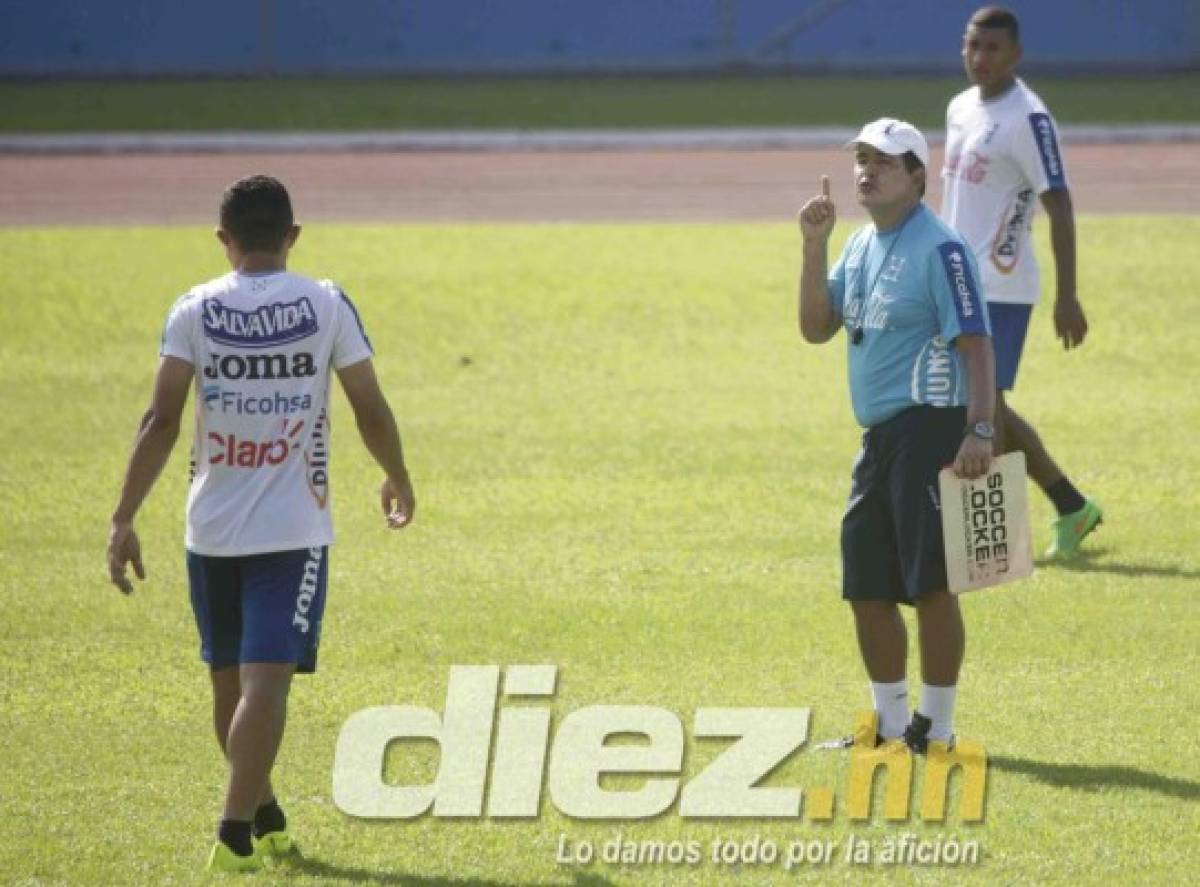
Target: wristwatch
(982, 430)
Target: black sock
(235, 834)
(269, 818)
(1065, 497)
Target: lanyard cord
(858, 329)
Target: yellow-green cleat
(1071, 529)
(222, 859)
(276, 847)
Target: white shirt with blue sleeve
(1001, 155)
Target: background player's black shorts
(892, 547)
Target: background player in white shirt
(259, 346)
(1002, 153)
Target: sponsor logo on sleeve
(963, 291)
(274, 324)
(1047, 145)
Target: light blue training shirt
(906, 294)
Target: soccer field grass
(559, 102)
(629, 466)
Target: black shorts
(892, 547)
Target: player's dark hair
(997, 17)
(911, 164)
(257, 213)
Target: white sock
(891, 702)
(937, 704)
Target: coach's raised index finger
(825, 187)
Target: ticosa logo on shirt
(1047, 145)
(275, 403)
(959, 276)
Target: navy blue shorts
(1010, 323)
(260, 607)
(892, 547)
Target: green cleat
(276, 847)
(1070, 529)
(222, 859)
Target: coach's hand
(974, 457)
(1070, 323)
(398, 501)
(124, 548)
(817, 217)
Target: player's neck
(995, 90)
(260, 263)
(887, 218)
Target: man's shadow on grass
(1094, 777)
(328, 871)
(1089, 561)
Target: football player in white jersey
(258, 346)
(1002, 158)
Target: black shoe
(916, 734)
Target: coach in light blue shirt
(921, 382)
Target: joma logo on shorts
(272, 324)
(308, 589)
(253, 367)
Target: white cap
(893, 137)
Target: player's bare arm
(377, 426)
(1070, 323)
(818, 322)
(975, 453)
(156, 437)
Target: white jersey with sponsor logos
(263, 347)
(1001, 154)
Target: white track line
(517, 140)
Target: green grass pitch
(629, 466)
(563, 102)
